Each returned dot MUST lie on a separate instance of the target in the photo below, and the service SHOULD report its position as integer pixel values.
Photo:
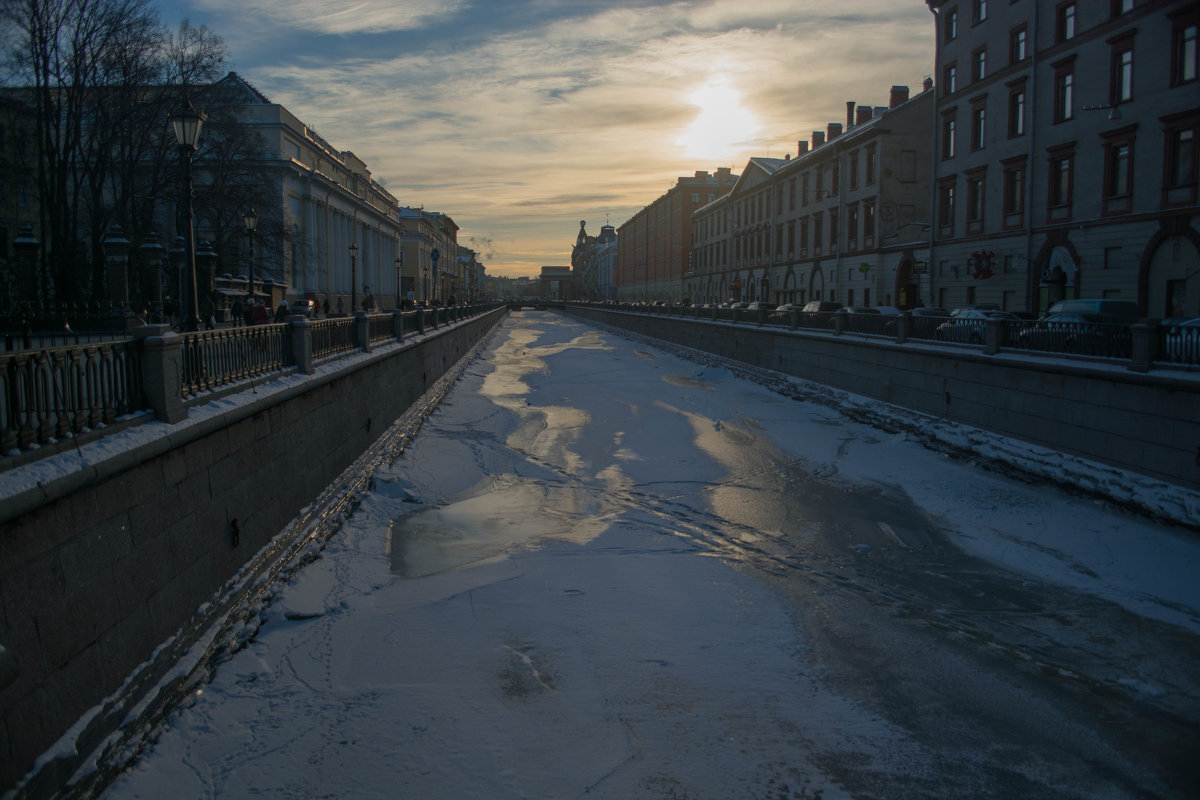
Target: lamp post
(353, 278)
(399, 263)
(187, 122)
(251, 220)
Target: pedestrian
(341, 307)
(316, 309)
(208, 313)
(282, 311)
(235, 311)
(259, 314)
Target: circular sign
(434, 254)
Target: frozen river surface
(603, 570)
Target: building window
(1121, 72)
(1121, 7)
(1061, 182)
(949, 79)
(817, 221)
(803, 223)
(946, 207)
(695, 197)
(951, 28)
(1014, 193)
(833, 231)
(976, 191)
(978, 127)
(1179, 179)
(948, 135)
(1018, 45)
(1185, 65)
(979, 64)
(1118, 175)
(852, 226)
(804, 189)
(853, 162)
(1064, 92)
(868, 222)
(792, 195)
(1064, 22)
(980, 11)
(870, 166)
(1016, 110)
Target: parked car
(928, 311)
(1071, 333)
(813, 306)
(1183, 340)
(1123, 311)
(761, 306)
(859, 310)
(890, 311)
(302, 307)
(968, 325)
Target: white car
(1183, 340)
(968, 325)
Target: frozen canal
(602, 570)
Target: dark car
(815, 306)
(1072, 332)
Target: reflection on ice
(506, 513)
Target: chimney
(818, 139)
(863, 115)
(787, 156)
(899, 95)
(849, 114)
(835, 130)
(879, 111)
(802, 147)
(927, 84)
(701, 174)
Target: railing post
(162, 370)
(300, 337)
(420, 320)
(398, 325)
(1144, 345)
(362, 331)
(993, 335)
(839, 322)
(903, 326)
(793, 319)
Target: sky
(559, 589)
(519, 118)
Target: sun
(724, 127)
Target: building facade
(840, 222)
(1065, 164)
(654, 247)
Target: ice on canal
(557, 591)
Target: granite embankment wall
(119, 559)
(1148, 423)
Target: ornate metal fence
(215, 358)
(47, 395)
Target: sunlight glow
(723, 127)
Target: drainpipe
(1032, 281)
(931, 265)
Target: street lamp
(187, 122)
(353, 278)
(399, 263)
(251, 220)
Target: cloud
(520, 117)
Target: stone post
(362, 331)
(152, 252)
(25, 250)
(206, 259)
(398, 325)
(839, 322)
(299, 334)
(993, 335)
(420, 320)
(903, 326)
(162, 371)
(116, 268)
(1144, 345)
(793, 319)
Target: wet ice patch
(504, 514)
